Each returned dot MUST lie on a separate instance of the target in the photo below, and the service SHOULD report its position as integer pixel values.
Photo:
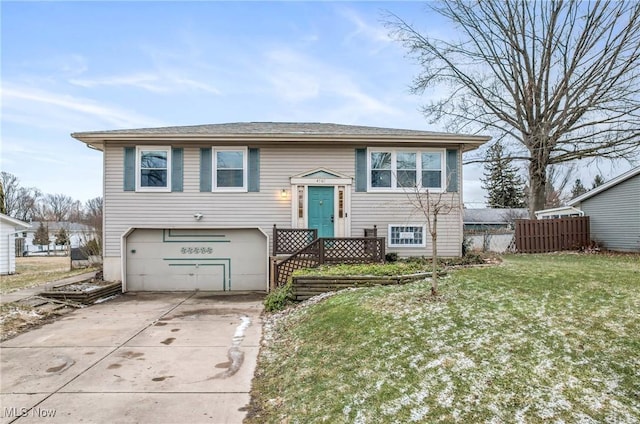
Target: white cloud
(296, 77)
(44, 109)
(162, 82)
(73, 64)
(376, 33)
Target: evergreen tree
(61, 237)
(597, 181)
(41, 237)
(501, 180)
(577, 189)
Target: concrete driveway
(140, 358)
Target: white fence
(490, 242)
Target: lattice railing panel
(307, 257)
(332, 251)
(353, 250)
(291, 240)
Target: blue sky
(82, 66)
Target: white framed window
(153, 168)
(407, 235)
(402, 169)
(230, 169)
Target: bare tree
(19, 202)
(432, 205)
(93, 218)
(11, 187)
(559, 79)
(93, 213)
(57, 207)
(556, 188)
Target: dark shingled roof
(275, 128)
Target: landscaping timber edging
(307, 286)
(86, 297)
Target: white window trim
(245, 169)
(139, 187)
(410, 246)
(394, 170)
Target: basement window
(406, 235)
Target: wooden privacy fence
(552, 235)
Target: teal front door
(321, 210)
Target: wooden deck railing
(289, 240)
(331, 251)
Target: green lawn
(540, 338)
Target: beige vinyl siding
(368, 209)
(614, 216)
(124, 210)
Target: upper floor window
(391, 169)
(153, 168)
(230, 169)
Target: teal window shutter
(129, 169)
(361, 170)
(254, 170)
(205, 169)
(452, 170)
(177, 160)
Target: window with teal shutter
(254, 170)
(361, 170)
(129, 169)
(205, 169)
(177, 160)
(452, 170)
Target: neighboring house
(77, 233)
(491, 229)
(614, 212)
(193, 207)
(560, 212)
(9, 228)
(492, 218)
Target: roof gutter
(99, 140)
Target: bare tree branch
(559, 78)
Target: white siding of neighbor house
(7, 244)
(614, 216)
(124, 210)
(7, 249)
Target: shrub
(279, 298)
(391, 257)
(92, 248)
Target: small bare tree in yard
(558, 80)
(432, 205)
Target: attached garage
(196, 259)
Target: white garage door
(176, 260)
